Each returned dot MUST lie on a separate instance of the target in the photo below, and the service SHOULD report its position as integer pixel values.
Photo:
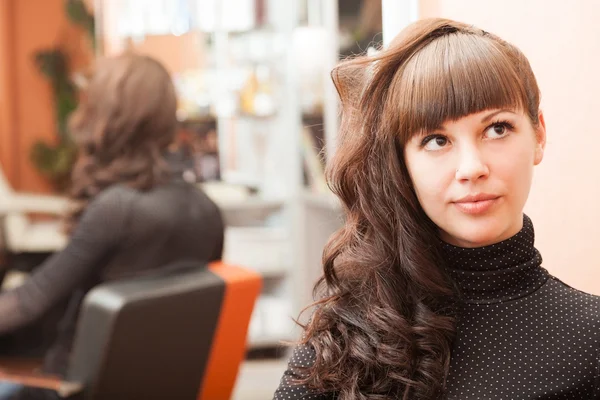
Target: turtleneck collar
(500, 272)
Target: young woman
(131, 215)
(433, 288)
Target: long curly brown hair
(384, 320)
(125, 121)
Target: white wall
(562, 41)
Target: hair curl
(125, 121)
(384, 322)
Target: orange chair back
(242, 288)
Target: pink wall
(562, 41)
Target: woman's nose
(471, 165)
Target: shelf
(250, 204)
(242, 212)
(268, 341)
(237, 206)
(267, 206)
(239, 212)
(271, 272)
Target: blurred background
(258, 119)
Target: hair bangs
(454, 76)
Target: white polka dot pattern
(499, 272)
(303, 357)
(521, 334)
(542, 346)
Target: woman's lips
(474, 205)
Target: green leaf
(56, 161)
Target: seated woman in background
(130, 214)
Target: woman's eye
(498, 130)
(435, 142)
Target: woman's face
(472, 176)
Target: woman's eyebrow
(425, 132)
(494, 113)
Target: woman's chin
(476, 233)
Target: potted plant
(55, 160)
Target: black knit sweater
(521, 333)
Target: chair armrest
(34, 203)
(25, 372)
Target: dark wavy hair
(384, 318)
(125, 121)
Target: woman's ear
(540, 139)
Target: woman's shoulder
(566, 289)
(122, 193)
(115, 193)
(289, 389)
(111, 200)
(164, 206)
(573, 302)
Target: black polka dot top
(521, 334)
